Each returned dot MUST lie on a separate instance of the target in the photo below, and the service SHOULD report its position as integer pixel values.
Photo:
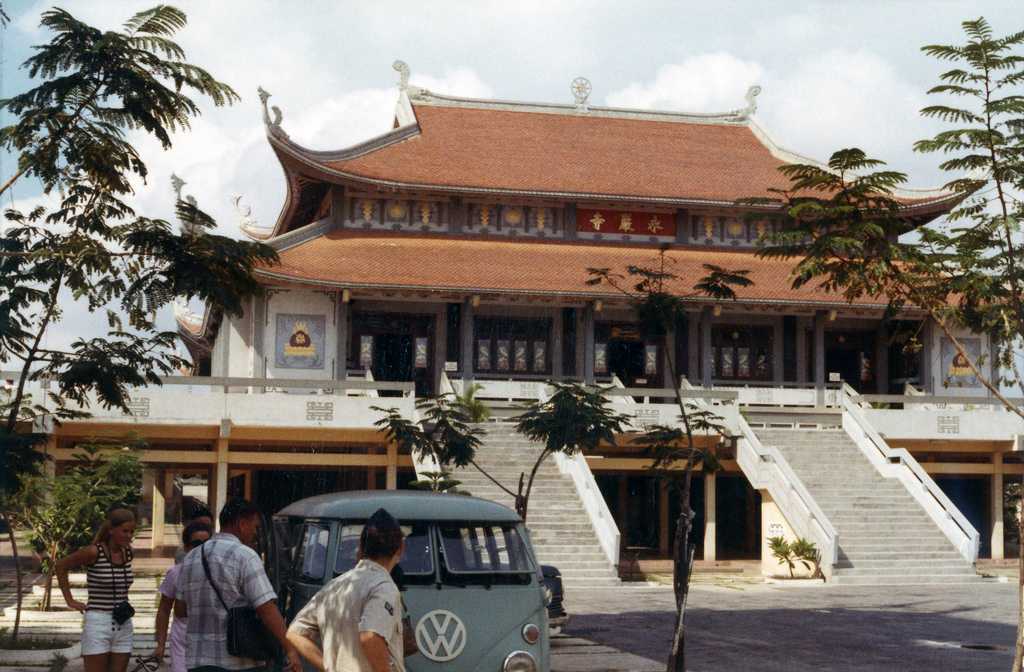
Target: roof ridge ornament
(752, 93)
(402, 68)
(176, 184)
(249, 225)
(273, 125)
(581, 89)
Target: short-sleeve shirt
(364, 599)
(179, 625)
(238, 572)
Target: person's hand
(76, 605)
(294, 662)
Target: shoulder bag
(247, 636)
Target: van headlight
(519, 661)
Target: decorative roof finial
(176, 184)
(581, 89)
(402, 68)
(249, 225)
(273, 124)
(752, 93)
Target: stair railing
(898, 463)
(767, 469)
(576, 467)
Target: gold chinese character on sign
(626, 223)
(596, 221)
(654, 225)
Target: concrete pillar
(578, 371)
(778, 351)
(801, 350)
(693, 348)
(710, 517)
(341, 328)
(392, 468)
(882, 359)
(440, 345)
(466, 329)
(159, 510)
(707, 361)
(259, 330)
(664, 523)
(669, 351)
(588, 344)
(998, 552)
(557, 330)
(819, 355)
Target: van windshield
(484, 548)
(417, 559)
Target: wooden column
(707, 362)
(693, 348)
(998, 551)
(223, 445)
(466, 330)
(588, 344)
(581, 345)
(440, 344)
(371, 478)
(557, 330)
(392, 469)
(159, 511)
(801, 350)
(778, 351)
(341, 328)
(663, 521)
(710, 517)
(819, 355)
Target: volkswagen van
(469, 578)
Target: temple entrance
(394, 348)
(620, 350)
(850, 355)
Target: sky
(834, 74)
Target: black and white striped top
(108, 583)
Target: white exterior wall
(239, 345)
(302, 302)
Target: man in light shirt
(358, 615)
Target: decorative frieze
(397, 214)
(513, 220)
(731, 231)
(625, 225)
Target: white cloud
(714, 82)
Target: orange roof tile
(383, 260)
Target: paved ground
(793, 628)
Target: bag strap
(206, 569)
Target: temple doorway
(395, 348)
(850, 356)
(621, 350)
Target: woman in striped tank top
(107, 634)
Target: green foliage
(476, 410)
(442, 432)
(574, 418)
(782, 550)
(71, 132)
(808, 554)
(61, 512)
(438, 481)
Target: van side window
(311, 558)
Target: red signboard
(626, 222)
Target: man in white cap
(358, 615)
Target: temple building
(453, 252)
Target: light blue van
(471, 582)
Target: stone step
(905, 580)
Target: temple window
(515, 346)
(741, 352)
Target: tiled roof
(342, 258)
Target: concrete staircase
(885, 537)
(560, 529)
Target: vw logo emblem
(440, 635)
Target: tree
(61, 512)
(71, 133)
(966, 273)
(659, 297)
(574, 418)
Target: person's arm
(375, 648)
(83, 556)
(271, 618)
(304, 632)
(163, 618)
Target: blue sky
(835, 74)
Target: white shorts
(101, 635)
